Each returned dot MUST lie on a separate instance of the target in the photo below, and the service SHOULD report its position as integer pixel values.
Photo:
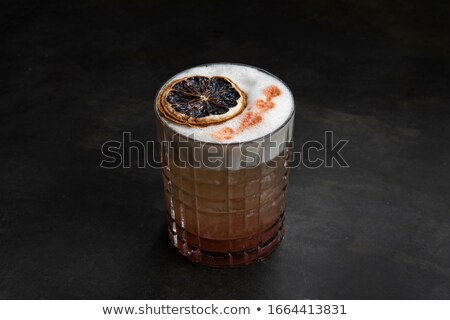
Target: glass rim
(264, 137)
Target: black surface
(76, 75)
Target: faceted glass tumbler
(230, 213)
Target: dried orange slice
(201, 101)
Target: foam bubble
(254, 122)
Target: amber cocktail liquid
(225, 179)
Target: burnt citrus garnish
(201, 101)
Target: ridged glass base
(223, 253)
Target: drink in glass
(224, 170)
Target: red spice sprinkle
(250, 119)
(226, 133)
(264, 105)
(272, 92)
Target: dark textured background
(75, 75)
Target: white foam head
(253, 82)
